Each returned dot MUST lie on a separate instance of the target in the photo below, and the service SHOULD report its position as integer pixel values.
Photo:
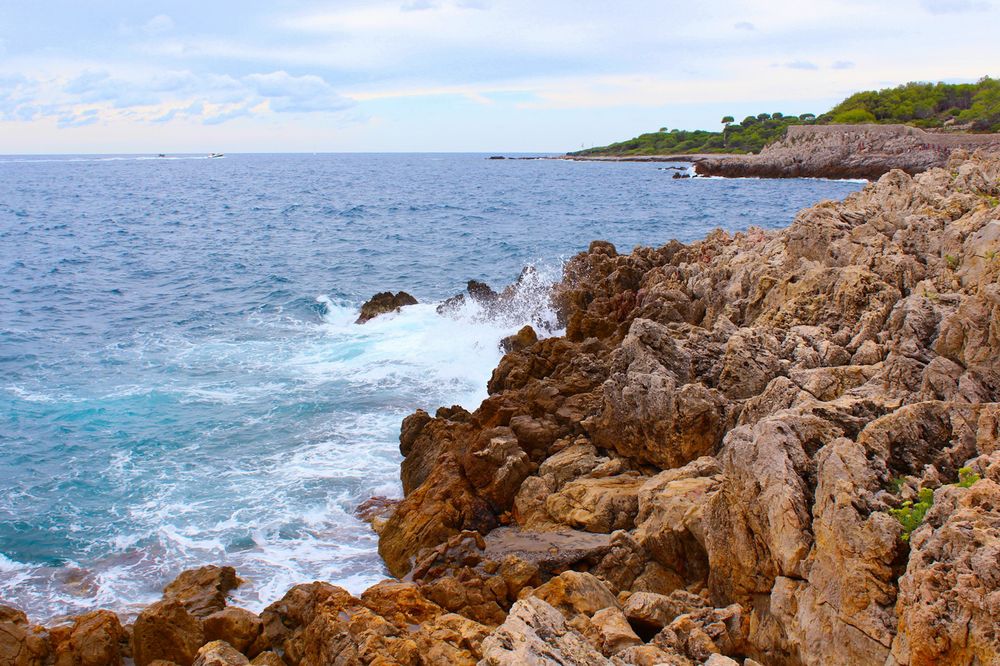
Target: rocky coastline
(831, 151)
(759, 448)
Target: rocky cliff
(768, 447)
(848, 151)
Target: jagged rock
(167, 631)
(949, 597)
(523, 339)
(203, 591)
(536, 634)
(93, 639)
(383, 303)
(220, 653)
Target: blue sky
(451, 75)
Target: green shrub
(966, 477)
(854, 116)
(911, 514)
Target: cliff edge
(848, 151)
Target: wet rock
(384, 303)
(203, 591)
(523, 339)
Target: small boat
(212, 155)
(162, 155)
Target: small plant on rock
(966, 477)
(911, 514)
(952, 261)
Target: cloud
(745, 25)
(954, 6)
(418, 6)
(158, 24)
(304, 94)
(843, 64)
(799, 64)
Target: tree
(807, 117)
(663, 129)
(727, 120)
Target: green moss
(952, 261)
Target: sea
(182, 381)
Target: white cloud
(158, 24)
(955, 6)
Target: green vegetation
(971, 107)
(928, 105)
(966, 477)
(911, 514)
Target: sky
(103, 76)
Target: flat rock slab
(556, 550)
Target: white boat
(211, 155)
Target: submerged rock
(383, 303)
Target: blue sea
(181, 378)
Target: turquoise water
(181, 380)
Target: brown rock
(220, 653)
(597, 505)
(203, 591)
(536, 633)
(523, 339)
(94, 639)
(20, 643)
(949, 597)
(575, 593)
(612, 631)
(238, 627)
(383, 303)
(167, 631)
(267, 659)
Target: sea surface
(181, 378)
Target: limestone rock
(597, 504)
(536, 634)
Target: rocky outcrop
(774, 448)
(847, 151)
(384, 303)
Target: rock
(536, 634)
(575, 593)
(167, 631)
(597, 505)
(523, 339)
(93, 639)
(203, 591)
(220, 653)
(238, 627)
(949, 597)
(383, 303)
(612, 631)
(20, 643)
(846, 151)
(267, 659)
